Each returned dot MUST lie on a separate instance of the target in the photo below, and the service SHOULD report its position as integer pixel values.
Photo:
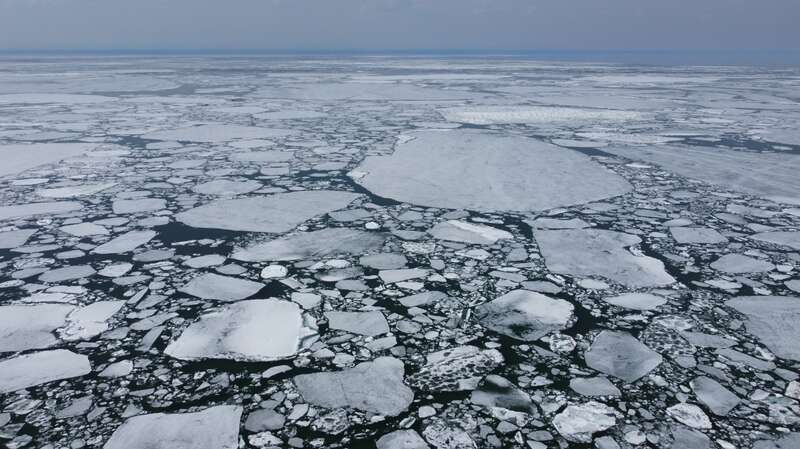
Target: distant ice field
(398, 252)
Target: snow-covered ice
(486, 172)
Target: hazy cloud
(399, 24)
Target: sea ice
(690, 414)
(484, 171)
(594, 386)
(716, 397)
(138, 205)
(492, 115)
(384, 261)
(773, 320)
(223, 288)
(259, 330)
(312, 245)
(38, 368)
(20, 157)
(783, 238)
(525, 315)
(597, 252)
(685, 234)
(227, 187)
(401, 439)
(498, 392)
(375, 387)
(67, 273)
(636, 301)
(738, 264)
(577, 423)
(465, 232)
(33, 209)
(769, 175)
(621, 355)
(13, 239)
(275, 213)
(24, 327)
(217, 133)
(212, 428)
(89, 321)
(84, 229)
(369, 324)
(125, 242)
(73, 191)
(456, 369)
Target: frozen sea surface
(386, 253)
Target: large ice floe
(212, 428)
(315, 244)
(259, 330)
(773, 320)
(20, 157)
(375, 386)
(771, 175)
(483, 171)
(525, 315)
(38, 368)
(596, 252)
(275, 213)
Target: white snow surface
(259, 330)
(483, 171)
(276, 213)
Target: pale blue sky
(399, 24)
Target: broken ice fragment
(773, 320)
(73, 191)
(223, 288)
(89, 321)
(717, 398)
(738, 264)
(375, 386)
(636, 301)
(525, 315)
(24, 327)
(621, 355)
(401, 439)
(596, 252)
(465, 232)
(67, 273)
(227, 187)
(577, 423)
(383, 261)
(212, 428)
(138, 205)
(362, 323)
(125, 242)
(594, 386)
(496, 391)
(456, 369)
(33, 209)
(276, 213)
(312, 245)
(38, 368)
(13, 239)
(691, 415)
(783, 238)
(84, 229)
(696, 235)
